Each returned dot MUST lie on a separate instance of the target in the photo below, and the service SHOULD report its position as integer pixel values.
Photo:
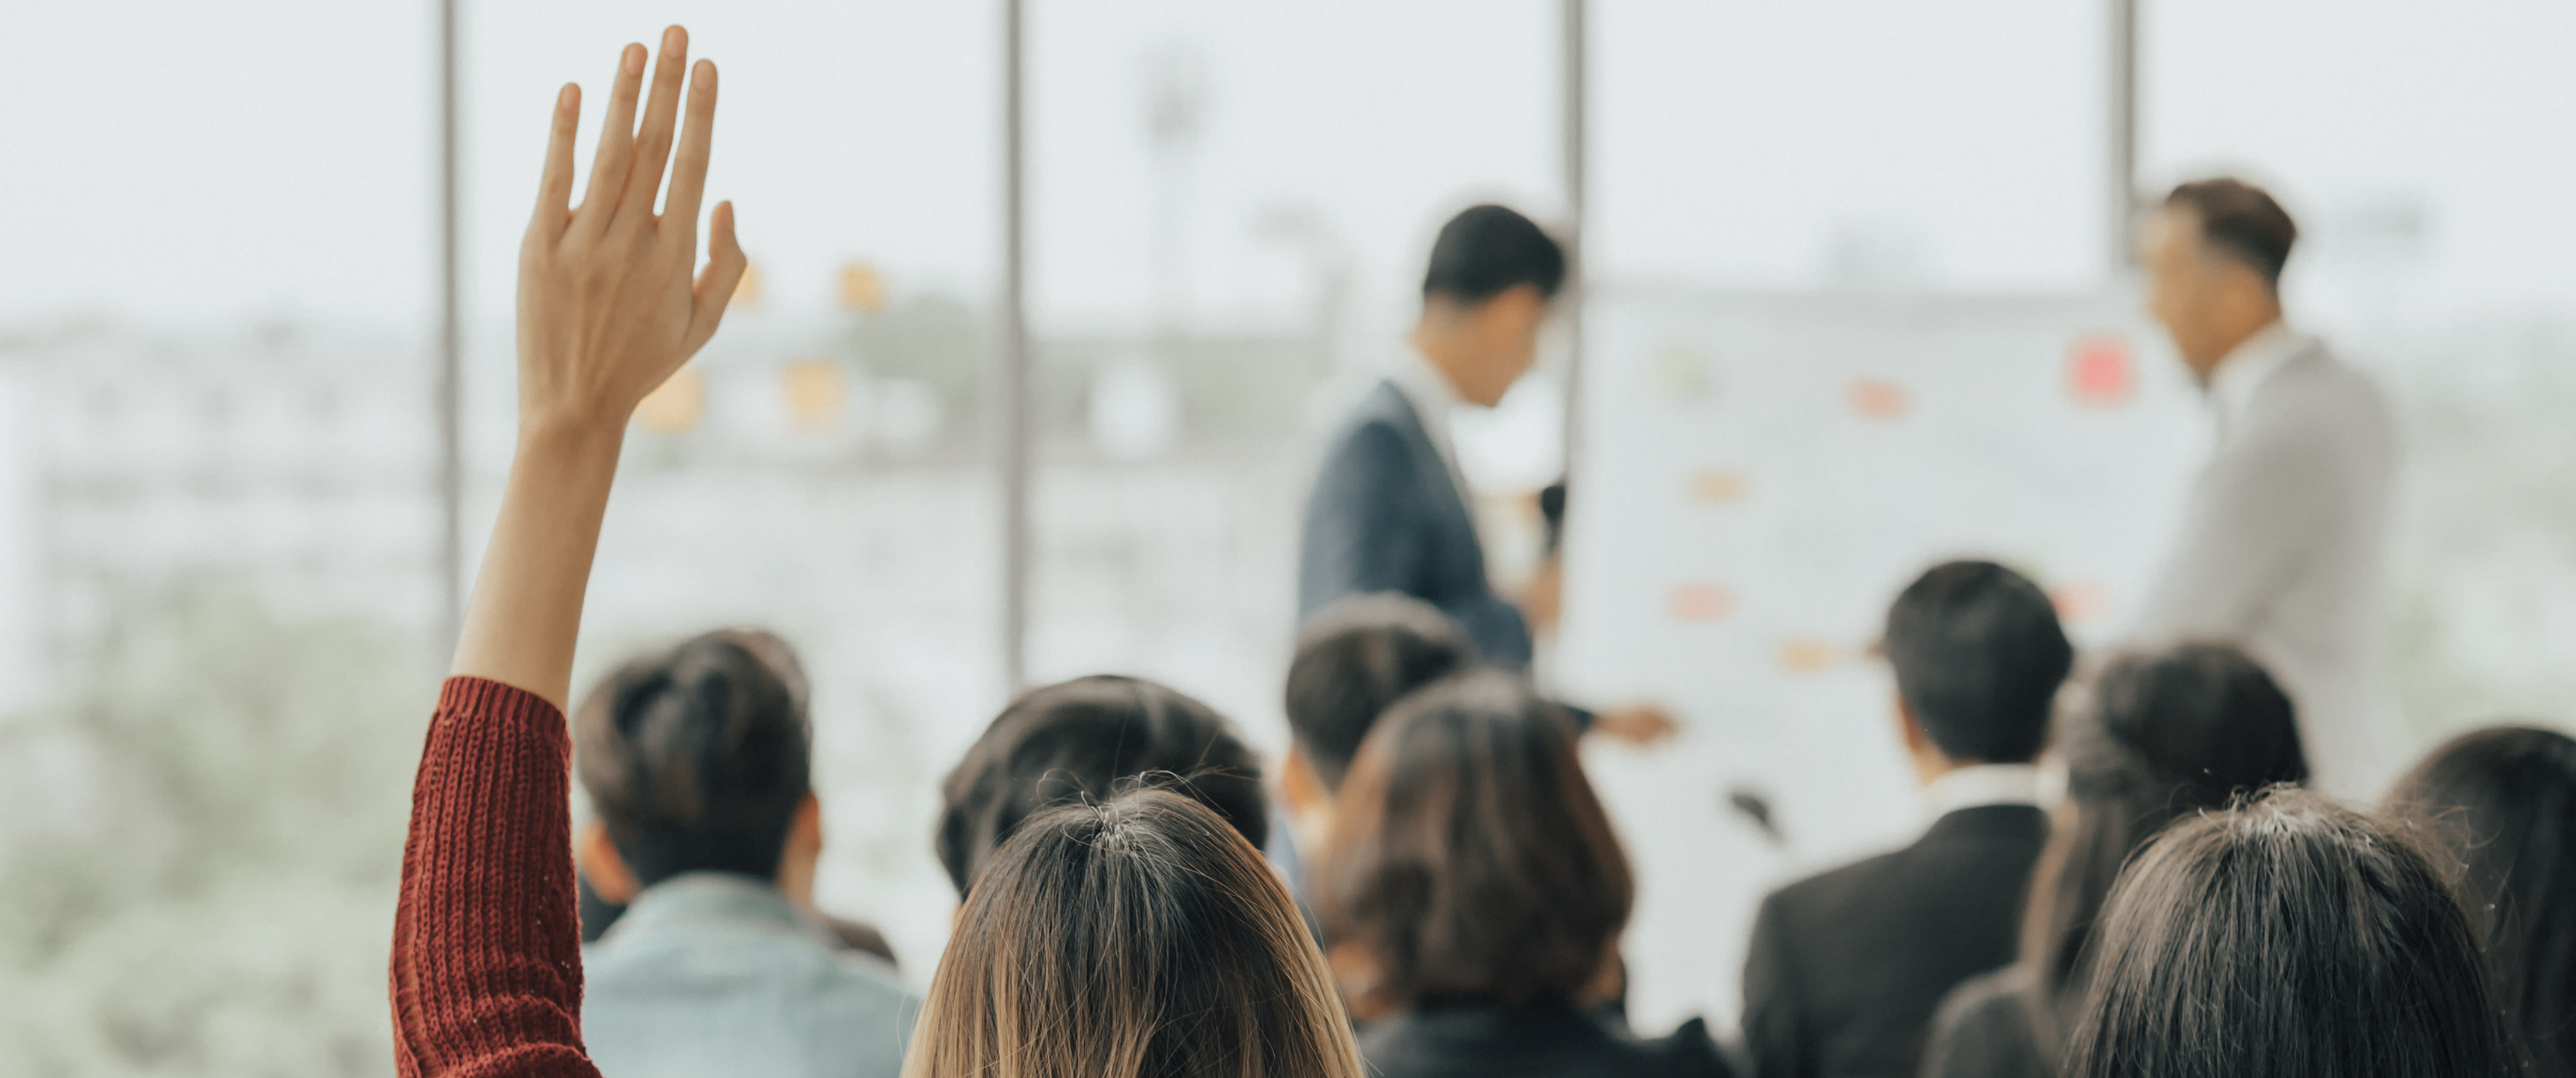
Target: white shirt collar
(2233, 383)
(1433, 398)
(1982, 784)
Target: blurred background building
(221, 578)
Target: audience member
(1845, 968)
(2163, 734)
(1475, 895)
(1138, 936)
(706, 827)
(1084, 740)
(2288, 938)
(2502, 802)
(1354, 660)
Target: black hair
(2160, 734)
(1089, 739)
(697, 758)
(2241, 221)
(2287, 938)
(1979, 656)
(1355, 659)
(2502, 803)
(1488, 250)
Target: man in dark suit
(1390, 509)
(1847, 967)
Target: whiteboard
(1757, 477)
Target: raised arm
(486, 970)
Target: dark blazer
(1984, 1031)
(1847, 967)
(1533, 1040)
(1386, 516)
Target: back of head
(2502, 804)
(1488, 250)
(1141, 937)
(697, 758)
(1355, 659)
(2240, 221)
(1085, 739)
(1469, 858)
(2161, 733)
(2288, 938)
(1979, 656)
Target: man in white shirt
(2282, 548)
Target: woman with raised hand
(2502, 802)
(2160, 735)
(2287, 938)
(486, 968)
(1475, 895)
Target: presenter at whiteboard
(1390, 510)
(2282, 546)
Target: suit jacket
(1984, 1031)
(2281, 551)
(1847, 967)
(1544, 1039)
(1386, 516)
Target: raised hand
(608, 307)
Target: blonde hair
(1138, 938)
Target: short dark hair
(1090, 739)
(1527, 908)
(2241, 221)
(697, 758)
(1979, 656)
(2161, 733)
(2502, 802)
(1355, 659)
(1487, 250)
(2290, 938)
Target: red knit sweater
(487, 936)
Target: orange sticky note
(1702, 602)
(1717, 485)
(1879, 399)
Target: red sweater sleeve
(487, 937)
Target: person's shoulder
(1983, 1028)
(2319, 390)
(1688, 1052)
(1822, 897)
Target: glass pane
(1230, 211)
(218, 530)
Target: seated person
(2502, 804)
(707, 830)
(1475, 894)
(2161, 734)
(1356, 658)
(1846, 967)
(1132, 936)
(1090, 739)
(2289, 938)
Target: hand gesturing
(608, 307)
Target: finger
(653, 139)
(554, 186)
(616, 143)
(716, 284)
(689, 170)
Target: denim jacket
(714, 973)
